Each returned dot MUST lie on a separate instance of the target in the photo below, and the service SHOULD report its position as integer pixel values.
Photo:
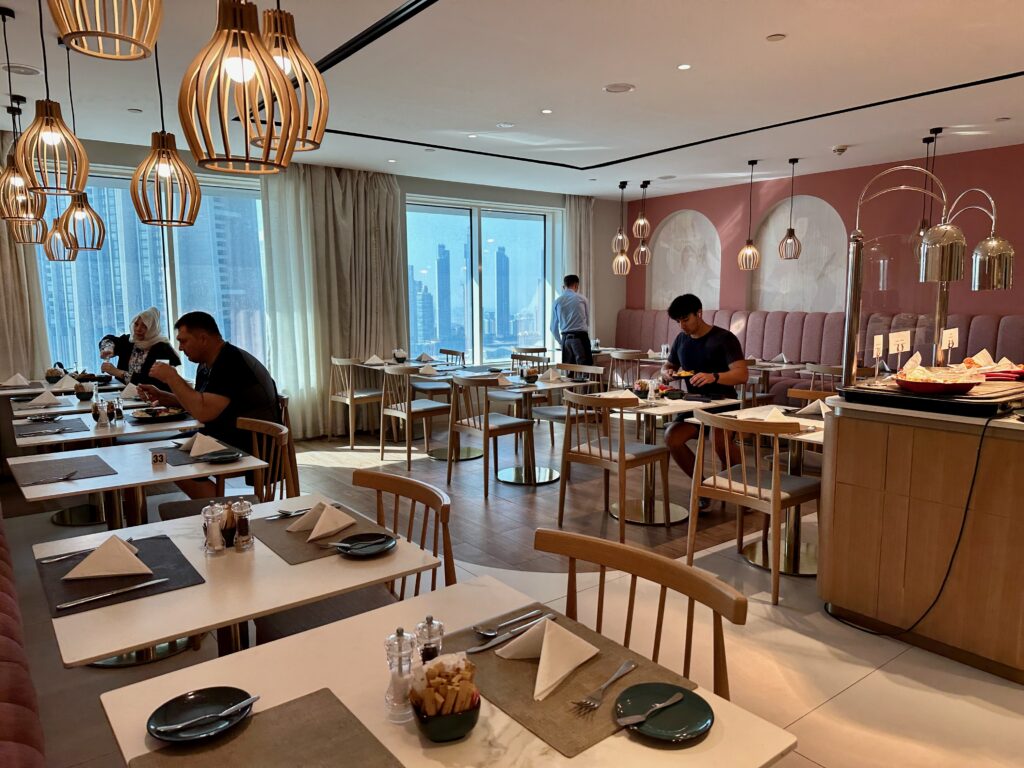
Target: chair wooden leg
(408, 444)
(383, 432)
(607, 483)
(451, 454)
(351, 426)
(428, 427)
(776, 553)
(622, 505)
(721, 668)
(487, 469)
(551, 424)
(740, 514)
(563, 481)
(691, 524)
(665, 504)
(688, 642)
(330, 417)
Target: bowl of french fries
(445, 698)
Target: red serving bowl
(936, 387)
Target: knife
(510, 634)
(111, 593)
(212, 716)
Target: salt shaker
(401, 649)
(213, 541)
(652, 389)
(429, 635)
(242, 510)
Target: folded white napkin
(114, 557)
(618, 393)
(551, 374)
(560, 652)
(322, 520)
(428, 370)
(130, 392)
(425, 358)
(17, 380)
(47, 398)
(753, 415)
(915, 361)
(66, 383)
(503, 381)
(373, 360)
(779, 358)
(983, 358)
(814, 408)
(652, 353)
(202, 444)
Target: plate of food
(928, 381)
(92, 378)
(683, 374)
(158, 413)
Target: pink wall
(996, 170)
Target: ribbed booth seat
(817, 337)
(21, 733)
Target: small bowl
(53, 379)
(442, 728)
(530, 379)
(103, 378)
(400, 359)
(84, 396)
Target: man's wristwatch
(716, 378)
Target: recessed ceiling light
(135, 110)
(546, 111)
(683, 67)
(1002, 119)
(21, 69)
(666, 178)
(619, 88)
(776, 38)
(505, 125)
(392, 161)
(591, 179)
(428, 149)
(470, 135)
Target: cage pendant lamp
(234, 76)
(49, 156)
(16, 202)
(57, 247)
(642, 229)
(620, 243)
(80, 226)
(310, 88)
(28, 231)
(789, 246)
(122, 30)
(749, 257)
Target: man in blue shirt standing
(570, 323)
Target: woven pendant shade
(749, 257)
(642, 254)
(28, 231)
(49, 156)
(311, 91)
(165, 192)
(80, 226)
(621, 264)
(235, 76)
(16, 202)
(56, 247)
(122, 30)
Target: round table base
(635, 513)
(518, 476)
(806, 564)
(464, 454)
(78, 515)
(146, 655)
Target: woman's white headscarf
(151, 318)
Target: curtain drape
(336, 283)
(24, 347)
(579, 225)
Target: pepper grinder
(429, 635)
(400, 649)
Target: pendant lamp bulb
(790, 246)
(749, 257)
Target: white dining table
(97, 434)
(239, 586)
(68, 405)
(348, 658)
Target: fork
(592, 700)
(48, 480)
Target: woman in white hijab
(136, 352)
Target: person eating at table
(715, 358)
(570, 323)
(230, 384)
(138, 351)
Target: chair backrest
(530, 360)
(469, 401)
(431, 505)
(625, 368)
(825, 377)
(810, 395)
(530, 350)
(587, 420)
(282, 406)
(453, 356)
(342, 378)
(397, 392)
(270, 443)
(669, 574)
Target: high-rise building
(444, 296)
(414, 308)
(426, 329)
(501, 291)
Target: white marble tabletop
(239, 586)
(134, 466)
(348, 658)
(69, 404)
(665, 407)
(770, 367)
(96, 433)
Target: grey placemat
(293, 547)
(158, 552)
(84, 467)
(30, 385)
(508, 684)
(50, 427)
(314, 731)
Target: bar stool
(397, 402)
(343, 390)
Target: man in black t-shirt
(230, 384)
(715, 357)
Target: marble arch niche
(686, 258)
(816, 282)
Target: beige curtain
(579, 226)
(336, 283)
(24, 347)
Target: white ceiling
(461, 66)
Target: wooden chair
(763, 488)
(282, 404)
(823, 381)
(686, 580)
(594, 376)
(587, 440)
(270, 443)
(470, 415)
(344, 390)
(397, 403)
(453, 356)
(424, 521)
(432, 389)
(624, 372)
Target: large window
(479, 278)
(217, 265)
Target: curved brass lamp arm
(903, 187)
(953, 212)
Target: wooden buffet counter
(894, 487)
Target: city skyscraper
(444, 295)
(501, 294)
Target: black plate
(684, 721)
(370, 550)
(44, 418)
(23, 399)
(223, 456)
(141, 416)
(205, 701)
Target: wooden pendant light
(80, 226)
(122, 30)
(16, 202)
(28, 231)
(234, 76)
(56, 247)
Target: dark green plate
(205, 701)
(690, 718)
(223, 456)
(366, 545)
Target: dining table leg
(646, 510)
(528, 473)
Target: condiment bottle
(429, 635)
(213, 541)
(242, 509)
(227, 525)
(119, 409)
(401, 649)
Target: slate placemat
(508, 684)
(314, 731)
(52, 427)
(84, 467)
(293, 547)
(158, 552)
(30, 385)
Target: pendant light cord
(159, 86)
(931, 200)
(71, 95)
(42, 43)
(10, 82)
(927, 179)
(792, 188)
(750, 200)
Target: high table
(100, 434)
(347, 657)
(239, 586)
(135, 470)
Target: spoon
(493, 632)
(637, 719)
